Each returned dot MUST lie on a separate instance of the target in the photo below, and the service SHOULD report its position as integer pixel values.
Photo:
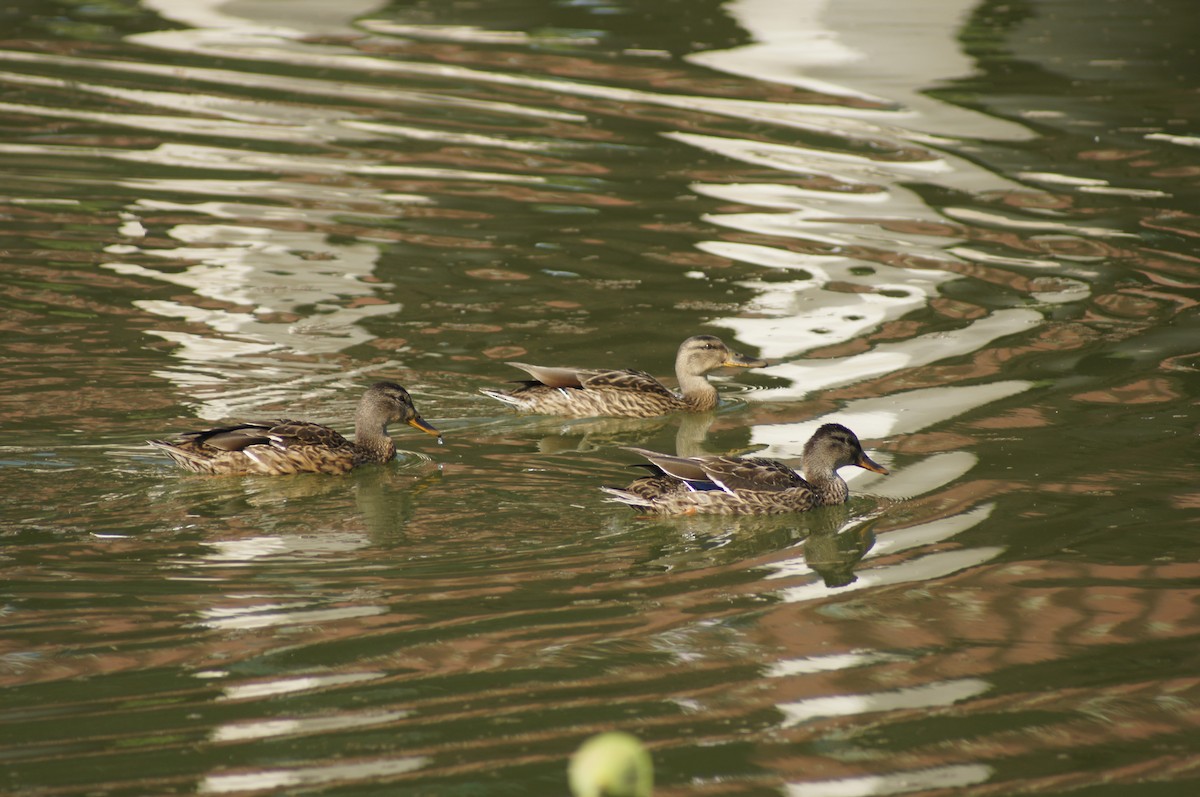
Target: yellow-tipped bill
(417, 422)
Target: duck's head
(391, 403)
(834, 446)
(700, 354)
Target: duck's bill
(867, 463)
(417, 422)
(735, 360)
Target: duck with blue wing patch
(750, 485)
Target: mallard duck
(750, 485)
(612, 764)
(588, 392)
(280, 447)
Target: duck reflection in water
(833, 555)
(592, 392)
(751, 485)
(582, 435)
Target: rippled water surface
(967, 231)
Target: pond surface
(966, 231)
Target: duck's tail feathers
(500, 395)
(182, 456)
(626, 497)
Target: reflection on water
(957, 230)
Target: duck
(283, 447)
(716, 485)
(611, 764)
(592, 392)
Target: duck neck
(372, 440)
(696, 390)
(829, 486)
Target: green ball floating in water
(613, 764)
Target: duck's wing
(553, 377)
(631, 380)
(234, 437)
(305, 434)
(280, 433)
(735, 474)
(683, 468)
(596, 379)
(730, 474)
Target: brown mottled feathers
(630, 379)
(283, 446)
(591, 392)
(732, 473)
(749, 486)
(278, 447)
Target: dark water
(969, 232)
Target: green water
(966, 232)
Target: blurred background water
(967, 230)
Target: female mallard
(749, 486)
(281, 447)
(588, 392)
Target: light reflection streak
(901, 413)
(288, 84)
(857, 171)
(263, 273)
(835, 48)
(274, 615)
(822, 226)
(806, 160)
(220, 128)
(926, 475)
(287, 686)
(812, 375)
(311, 776)
(790, 317)
(775, 195)
(935, 778)
(258, 266)
(251, 549)
(292, 726)
(217, 400)
(923, 568)
(224, 36)
(210, 14)
(783, 43)
(219, 158)
(941, 693)
(291, 192)
(257, 46)
(992, 219)
(472, 34)
(447, 137)
(809, 665)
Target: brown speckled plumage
(591, 392)
(282, 447)
(751, 485)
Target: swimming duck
(750, 485)
(612, 764)
(281, 447)
(589, 392)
